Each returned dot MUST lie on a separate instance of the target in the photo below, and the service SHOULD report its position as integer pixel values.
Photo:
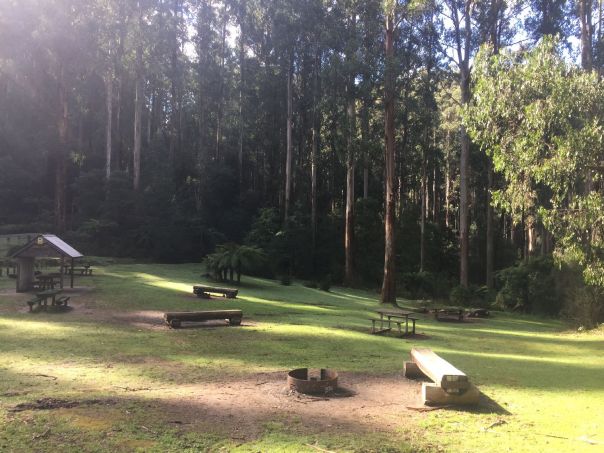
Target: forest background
(353, 142)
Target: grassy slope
(550, 382)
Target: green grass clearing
(165, 390)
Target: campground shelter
(42, 246)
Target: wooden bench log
(432, 394)
(412, 371)
(439, 370)
(204, 291)
(174, 319)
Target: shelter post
(72, 272)
(61, 273)
(25, 274)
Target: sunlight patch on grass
(525, 358)
(280, 304)
(34, 328)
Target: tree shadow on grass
(196, 350)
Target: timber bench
(449, 386)
(204, 291)
(175, 319)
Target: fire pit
(313, 380)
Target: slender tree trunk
(435, 198)
(290, 147)
(447, 180)
(365, 140)
(109, 123)
(585, 13)
(175, 88)
(495, 11)
(464, 169)
(490, 239)
(422, 219)
(221, 87)
(314, 152)
(350, 161)
(241, 84)
(61, 164)
(350, 166)
(389, 283)
(138, 112)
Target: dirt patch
(240, 408)
(53, 403)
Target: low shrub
(585, 307)
(325, 284)
(311, 284)
(285, 280)
(424, 285)
(530, 287)
(471, 296)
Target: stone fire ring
(299, 381)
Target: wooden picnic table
(48, 294)
(457, 312)
(388, 315)
(86, 270)
(48, 281)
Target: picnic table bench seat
(175, 319)
(204, 291)
(35, 301)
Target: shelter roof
(47, 245)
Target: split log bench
(204, 291)
(449, 386)
(175, 319)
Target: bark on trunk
(109, 124)
(138, 112)
(349, 226)
(585, 13)
(365, 140)
(422, 219)
(490, 245)
(315, 152)
(389, 283)
(241, 82)
(221, 87)
(464, 169)
(60, 163)
(290, 148)
(447, 182)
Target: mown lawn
(545, 383)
